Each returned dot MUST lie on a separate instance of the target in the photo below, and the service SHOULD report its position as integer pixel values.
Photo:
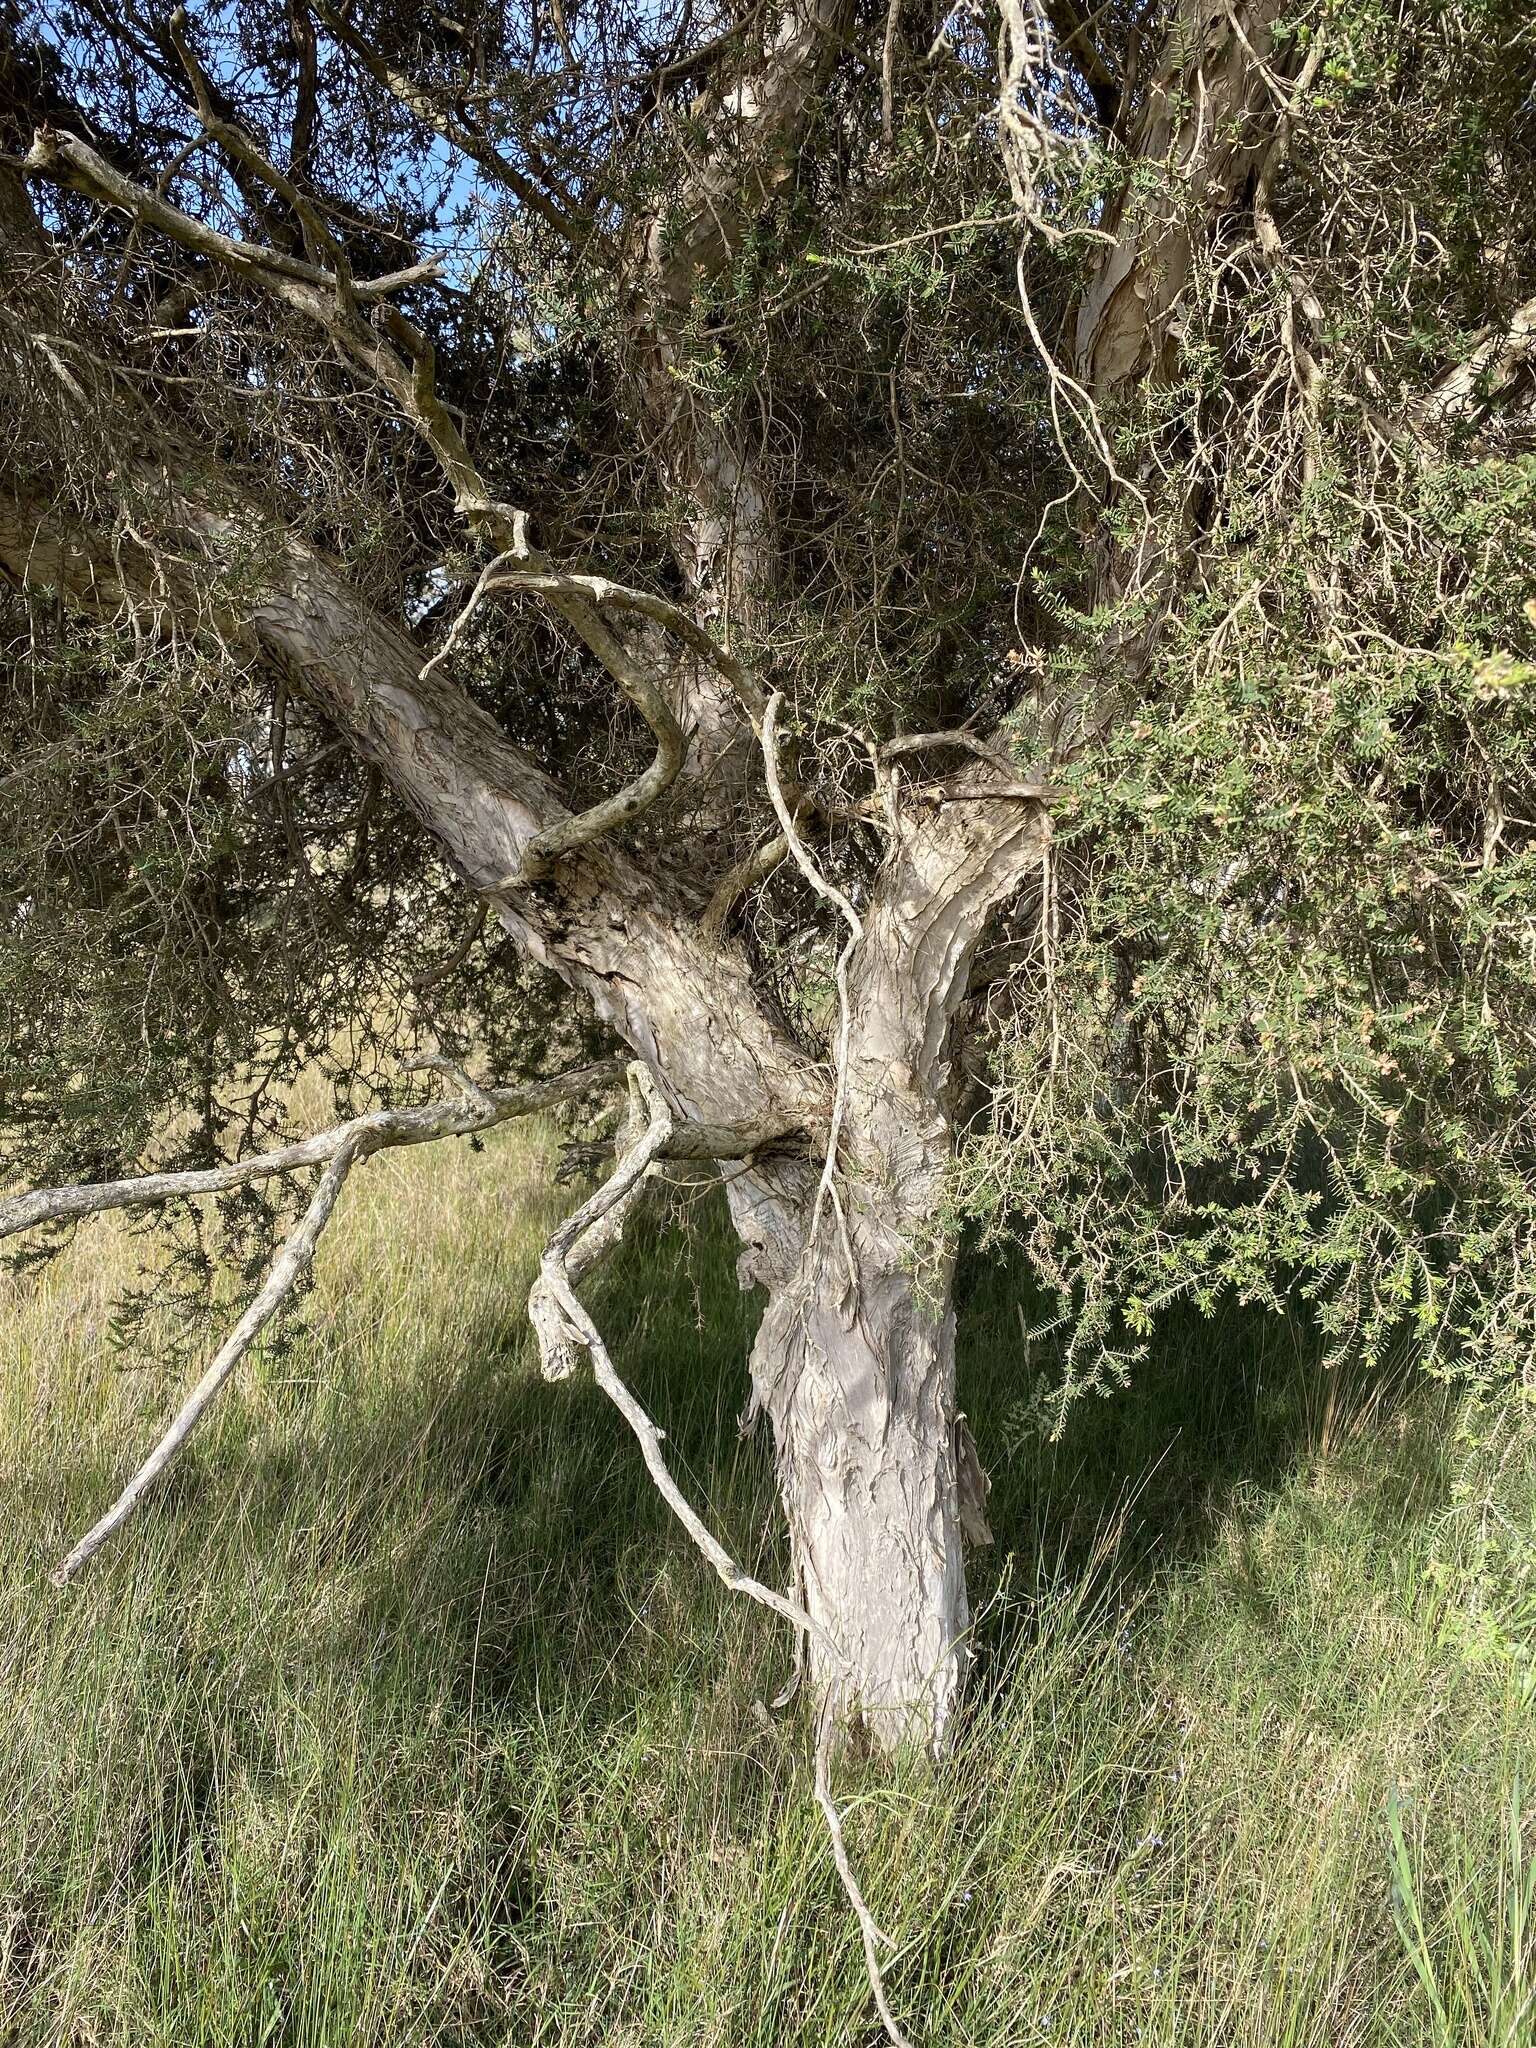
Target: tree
(961, 587)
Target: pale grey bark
(371, 1132)
(616, 933)
(338, 1151)
(1205, 126)
(854, 1363)
(857, 1379)
(289, 1268)
(560, 1316)
(1487, 372)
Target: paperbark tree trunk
(854, 1364)
(854, 1367)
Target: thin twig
(437, 975)
(555, 1282)
(968, 742)
(832, 894)
(869, 1933)
(555, 207)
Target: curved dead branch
(1009, 788)
(393, 352)
(340, 1150)
(557, 1302)
(373, 1132)
(580, 598)
(571, 592)
(818, 881)
(747, 873)
(288, 1269)
(603, 592)
(564, 1324)
(642, 687)
(967, 742)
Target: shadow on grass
(443, 1595)
(508, 1527)
(1227, 1402)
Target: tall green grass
(405, 1714)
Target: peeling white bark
(1207, 121)
(684, 1003)
(860, 1390)
(854, 1364)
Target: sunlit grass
(404, 1714)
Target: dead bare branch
(603, 592)
(871, 1935)
(365, 1134)
(66, 160)
(555, 1286)
(850, 916)
(288, 1269)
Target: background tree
(961, 587)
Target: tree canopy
(963, 584)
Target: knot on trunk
(558, 1341)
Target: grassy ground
(405, 1714)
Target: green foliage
(1271, 1020)
(199, 900)
(1281, 1034)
